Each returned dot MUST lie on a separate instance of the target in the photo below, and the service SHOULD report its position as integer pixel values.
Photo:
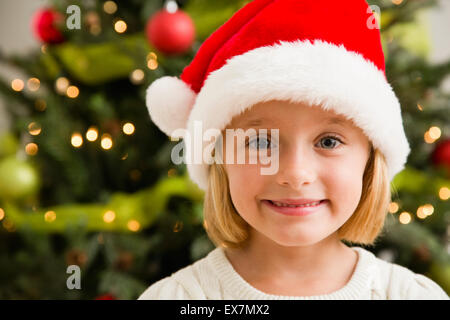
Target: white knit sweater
(213, 277)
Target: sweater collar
(359, 283)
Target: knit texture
(213, 277)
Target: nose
(297, 167)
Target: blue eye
(262, 145)
(329, 142)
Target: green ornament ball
(8, 144)
(19, 179)
(441, 273)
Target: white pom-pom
(169, 102)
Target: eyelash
(247, 144)
(333, 137)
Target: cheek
(344, 184)
(244, 183)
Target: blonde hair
(226, 228)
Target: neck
(269, 260)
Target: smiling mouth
(310, 204)
(305, 209)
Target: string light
(93, 22)
(50, 216)
(393, 207)
(44, 48)
(404, 217)
(109, 216)
(92, 134)
(444, 193)
(33, 84)
(152, 56)
(420, 213)
(61, 85)
(31, 149)
(428, 209)
(106, 142)
(124, 157)
(128, 128)
(435, 132)
(428, 139)
(419, 106)
(76, 140)
(17, 85)
(72, 92)
(133, 225)
(152, 64)
(137, 76)
(34, 129)
(2, 214)
(110, 7)
(120, 26)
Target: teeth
(280, 204)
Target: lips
(291, 201)
(295, 205)
(304, 209)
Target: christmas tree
(86, 177)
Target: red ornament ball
(46, 25)
(106, 296)
(441, 155)
(170, 33)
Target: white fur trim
(321, 74)
(169, 102)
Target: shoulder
(405, 284)
(165, 289)
(396, 282)
(189, 283)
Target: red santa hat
(322, 52)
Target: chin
(296, 241)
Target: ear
(169, 101)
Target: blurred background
(86, 177)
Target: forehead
(275, 112)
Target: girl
(311, 73)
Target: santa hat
(322, 52)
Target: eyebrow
(259, 121)
(338, 121)
(254, 122)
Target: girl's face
(321, 155)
